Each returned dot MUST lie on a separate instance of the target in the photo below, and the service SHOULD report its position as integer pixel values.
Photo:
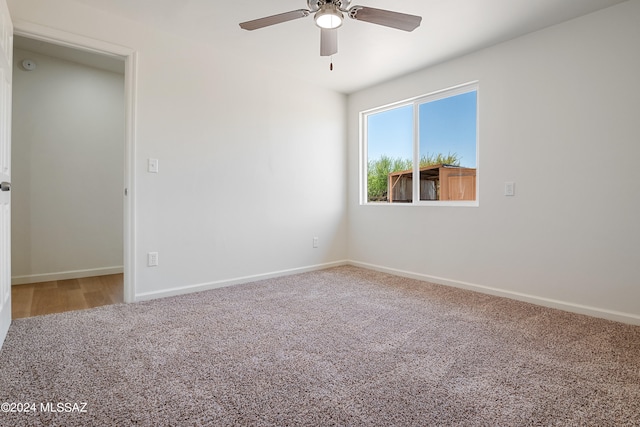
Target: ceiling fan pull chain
(331, 64)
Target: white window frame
(416, 102)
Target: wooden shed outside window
(437, 182)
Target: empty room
(381, 213)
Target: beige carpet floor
(338, 347)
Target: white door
(6, 53)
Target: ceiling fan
(329, 15)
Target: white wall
(68, 162)
(252, 163)
(558, 113)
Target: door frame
(130, 57)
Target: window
(426, 146)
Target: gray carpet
(343, 347)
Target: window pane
(448, 148)
(390, 149)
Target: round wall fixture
(29, 64)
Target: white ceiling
(368, 53)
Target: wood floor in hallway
(35, 299)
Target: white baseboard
(65, 275)
(144, 296)
(545, 302)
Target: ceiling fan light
(328, 17)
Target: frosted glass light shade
(328, 17)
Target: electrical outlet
(152, 259)
(315, 242)
(509, 188)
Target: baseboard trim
(145, 296)
(65, 275)
(545, 302)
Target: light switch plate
(152, 166)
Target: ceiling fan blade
(275, 19)
(328, 42)
(400, 21)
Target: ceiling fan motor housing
(315, 5)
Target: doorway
(78, 237)
(68, 163)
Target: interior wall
(558, 114)
(68, 163)
(250, 170)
